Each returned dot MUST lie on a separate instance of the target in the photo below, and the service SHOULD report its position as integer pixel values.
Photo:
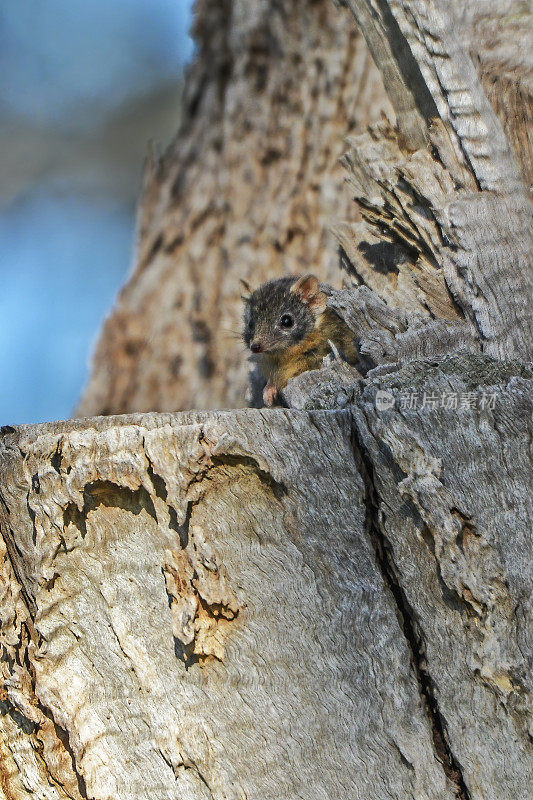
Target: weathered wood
(332, 600)
(456, 212)
(388, 335)
(280, 603)
(444, 447)
(452, 507)
(498, 37)
(195, 609)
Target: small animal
(289, 326)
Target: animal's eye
(286, 321)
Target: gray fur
(264, 309)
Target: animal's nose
(256, 347)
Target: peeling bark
(331, 600)
(280, 667)
(453, 208)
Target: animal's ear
(247, 291)
(308, 290)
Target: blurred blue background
(85, 87)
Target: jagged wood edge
(456, 212)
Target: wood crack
(407, 619)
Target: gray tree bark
(332, 600)
(197, 605)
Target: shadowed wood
(454, 209)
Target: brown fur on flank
(308, 354)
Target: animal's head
(281, 313)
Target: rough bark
(331, 600)
(448, 473)
(248, 190)
(307, 604)
(447, 229)
(195, 609)
(452, 507)
(498, 37)
(250, 187)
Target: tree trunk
(248, 190)
(444, 189)
(196, 604)
(299, 604)
(331, 600)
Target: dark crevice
(365, 362)
(407, 64)
(4, 504)
(31, 514)
(165, 759)
(407, 619)
(201, 777)
(158, 482)
(111, 495)
(406, 252)
(190, 765)
(27, 725)
(161, 492)
(383, 257)
(184, 653)
(459, 140)
(6, 707)
(57, 458)
(107, 493)
(403, 759)
(183, 529)
(73, 516)
(62, 735)
(216, 611)
(346, 263)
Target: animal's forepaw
(270, 395)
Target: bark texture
(331, 600)
(251, 185)
(307, 604)
(448, 472)
(442, 195)
(195, 609)
(455, 514)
